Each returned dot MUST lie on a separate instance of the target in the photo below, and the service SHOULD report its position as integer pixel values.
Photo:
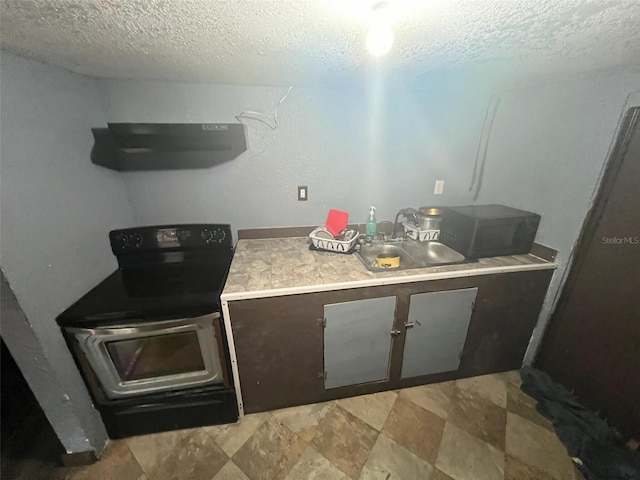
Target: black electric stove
(159, 316)
(158, 291)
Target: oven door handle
(146, 327)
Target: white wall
(352, 147)
(57, 209)
(547, 150)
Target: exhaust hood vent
(167, 146)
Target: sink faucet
(407, 213)
(380, 236)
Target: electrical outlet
(303, 193)
(439, 188)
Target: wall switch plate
(439, 188)
(303, 193)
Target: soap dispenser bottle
(372, 223)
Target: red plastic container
(337, 221)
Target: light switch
(439, 188)
(303, 193)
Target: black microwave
(488, 230)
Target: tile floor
(481, 428)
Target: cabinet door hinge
(322, 375)
(322, 322)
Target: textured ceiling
(321, 42)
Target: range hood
(167, 146)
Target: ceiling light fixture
(380, 35)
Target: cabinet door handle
(395, 333)
(409, 325)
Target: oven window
(156, 356)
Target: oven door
(150, 357)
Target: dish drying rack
(321, 239)
(415, 233)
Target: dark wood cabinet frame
(279, 341)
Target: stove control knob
(218, 235)
(135, 240)
(213, 236)
(206, 235)
(138, 240)
(122, 241)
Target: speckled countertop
(285, 266)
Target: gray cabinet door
(436, 331)
(357, 341)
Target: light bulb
(380, 35)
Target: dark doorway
(593, 342)
(30, 447)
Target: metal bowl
(431, 211)
(429, 218)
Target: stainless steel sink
(412, 254)
(433, 253)
(368, 253)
